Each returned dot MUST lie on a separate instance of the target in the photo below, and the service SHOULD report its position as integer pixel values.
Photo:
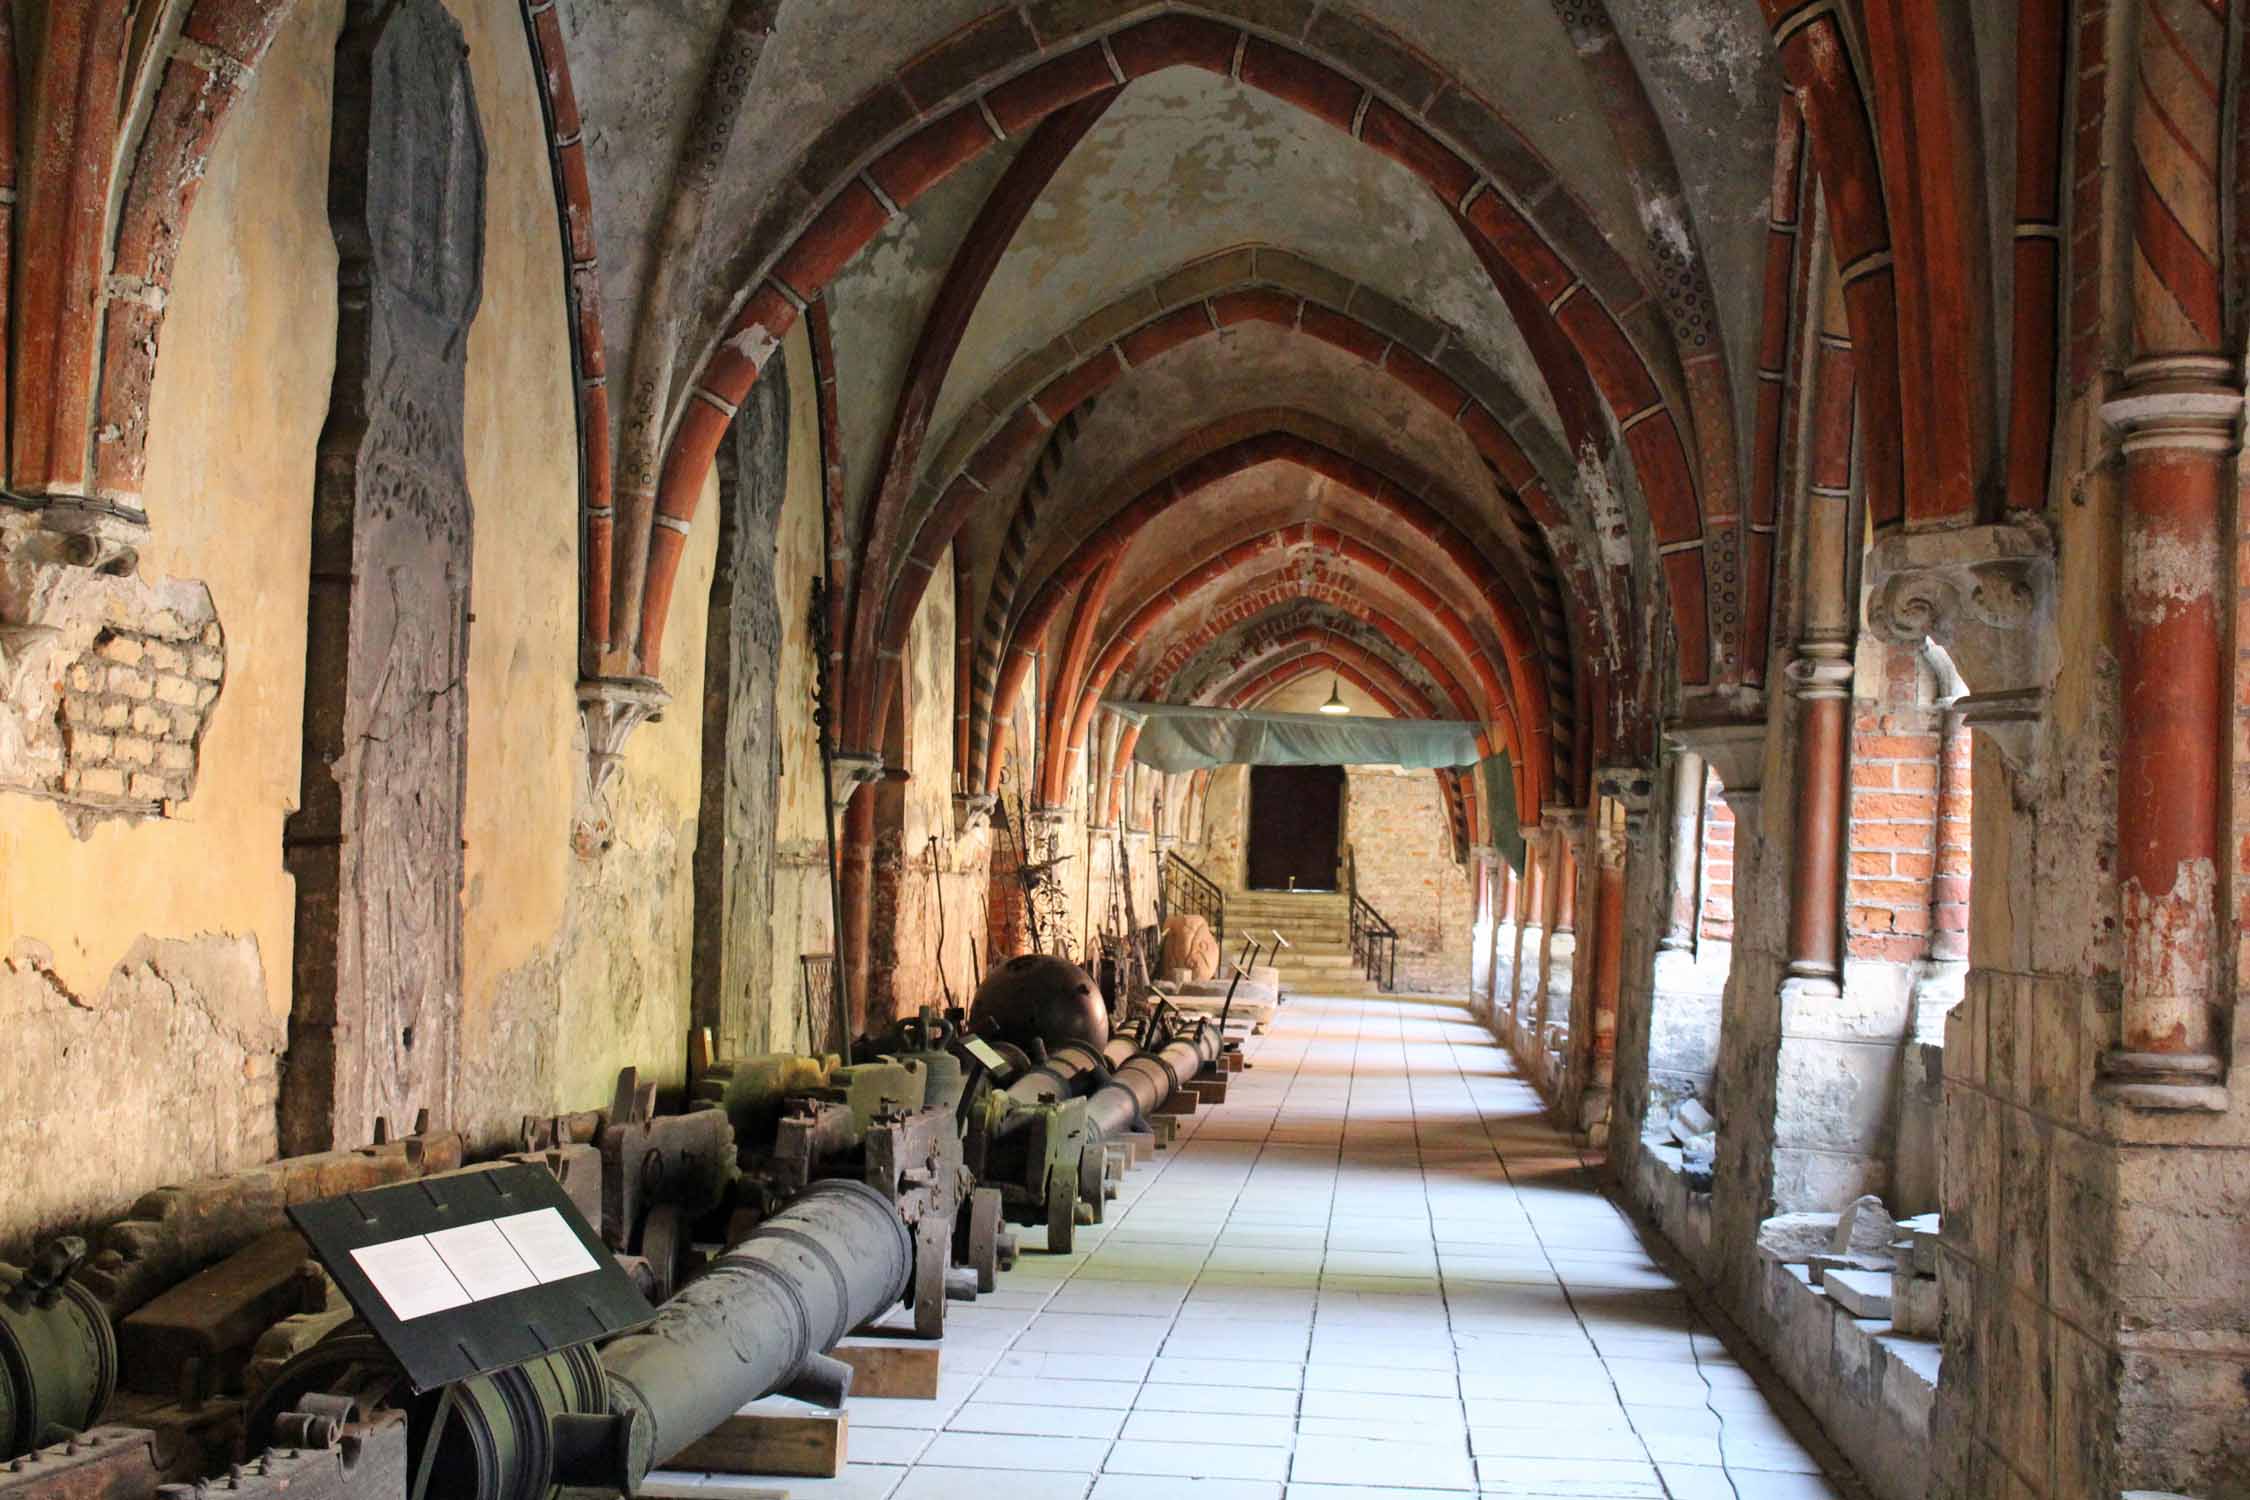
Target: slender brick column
(1821, 679)
(2177, 418)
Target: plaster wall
(930, 943)
(151, 961)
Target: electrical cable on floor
(1710, 1405)
(1710, 1392)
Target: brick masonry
(133, 712)
(1402, 845)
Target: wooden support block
(1182, 1102)
(1166, 1129)
(1235, 1061)
(757, 1442)
(894, 1371)
(1211, 1090)
(1142, 1144)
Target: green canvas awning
(1179, 737)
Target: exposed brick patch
(1892, 820)
(1717, 916)
(133, 713)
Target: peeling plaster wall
(907, 969)
(145, 1002)
(573, 968)
(146, 981)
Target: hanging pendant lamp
(1335, 703)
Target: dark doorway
(1296, 827)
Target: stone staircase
(1318, 960)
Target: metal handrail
(1374, 939)
(1184, 888)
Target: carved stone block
(376, 848)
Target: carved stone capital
(1557, 817)
(1483, 854)
(67, 532)
(611, 708)
(1985, 593)
(849, 770)
(1734, 749)
(972, 812)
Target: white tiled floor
(1375, 1273)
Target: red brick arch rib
(91, 291)
(589, 349)
(1788, 251)
(1354, 551)
(1004, 211)
(1598, 287)
(1817, 63)
(1160, 334)
(1117, 533)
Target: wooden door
(1296, 827)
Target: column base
(1811, 986)
(2185, 1081)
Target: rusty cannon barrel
(1071, 1069)
(1147, 1078)
(760, 1321)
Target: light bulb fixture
(1335, 703)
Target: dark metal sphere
(1036, 997)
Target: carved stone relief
(734, 850)
(376, 847)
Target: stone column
(1608, 976)
(1531, 943)
(1501, 977)
(1821, 680)
(1680, 913)
(1562, 829)
(2177, 418)
(2178, 421)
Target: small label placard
(978, 1048)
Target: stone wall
(1395, 823)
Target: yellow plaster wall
(145, 971)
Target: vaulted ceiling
(1201, 338)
